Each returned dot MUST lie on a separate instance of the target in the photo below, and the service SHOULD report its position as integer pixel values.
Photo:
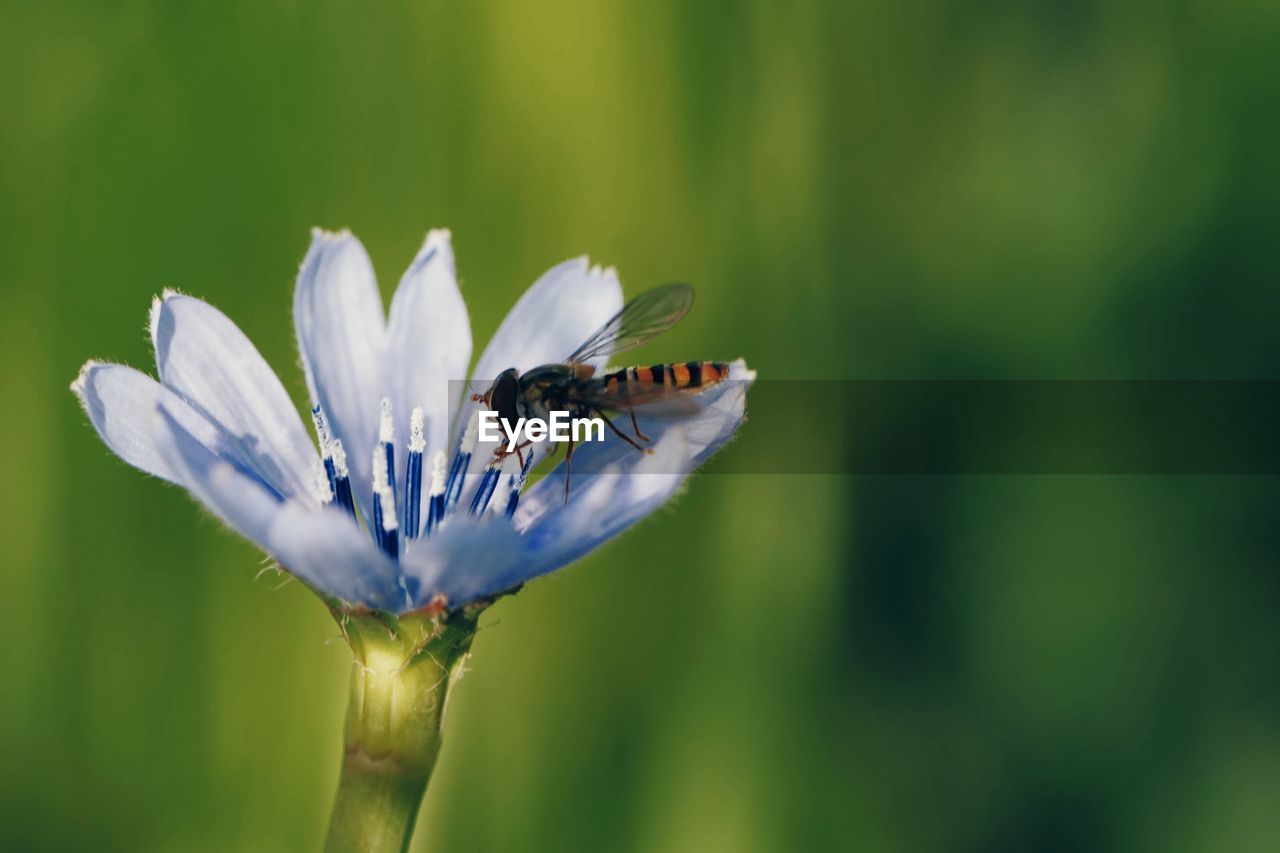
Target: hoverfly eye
(501, 396)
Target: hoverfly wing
(640, 321)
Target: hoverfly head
(502, 394)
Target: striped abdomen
(689, 375)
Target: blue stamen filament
(453, 489)
(384, 529)
(384, 519)
(480, 501)
(342, 495)
(325, 441)
(461, 463)
(412, 494)
(435, 506)
(413, 476)
(389, 454)
(517, 484)
(386, 438)
(335, 463)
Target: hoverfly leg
(520, 447)
(620, 434)
(636, 427)
(503, 453)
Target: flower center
(392, 524)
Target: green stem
(400, 681)
(375, 810)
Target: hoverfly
(573, 386)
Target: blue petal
(561, 310)
(241, 503)
(337, 314)
(203, 356)
(121, 404)
(458, 559)
(319, 545)
(428, 344)
(324, 548)
(606, 505)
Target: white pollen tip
(339, 458)
(82, 378)
(323, 492)
(472, 433)
(387, 502)
(438, 464)
(380, 483)
(322, 432)
(386, 429)
(417, 440)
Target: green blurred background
(858, 190)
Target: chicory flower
(392, 508)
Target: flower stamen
(413, 475)
(385, 528)
(338, 485)
(480, 502)
(325, 440)
(517, 482)
(435, 508)
(461, 463)
(341, 477)
(386, 441)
